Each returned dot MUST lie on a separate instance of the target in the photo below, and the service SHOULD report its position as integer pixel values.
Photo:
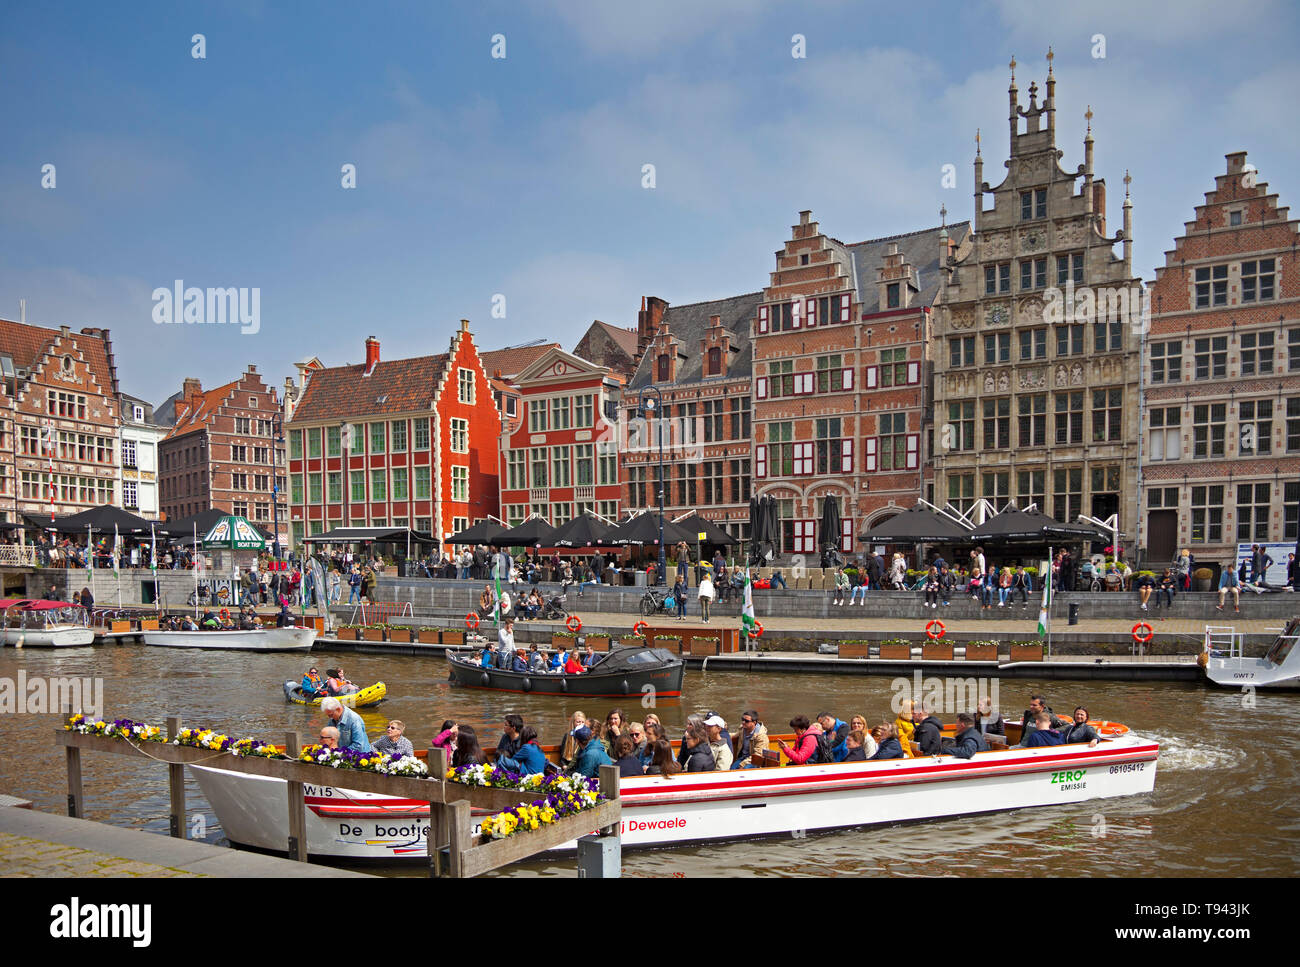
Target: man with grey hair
(352, 731)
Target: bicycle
(653, 603)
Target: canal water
(1224, 802)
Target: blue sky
(522, 176)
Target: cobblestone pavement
(27, 856)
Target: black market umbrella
(697, 525)
(533, 532)
(831, 536)
(643, 529)
(755, 520)
(918, 525)
(1031, 526)
(585, 530)
(102, 520)
(485, 531)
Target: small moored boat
(44, 624)
(1226, 664)
(368, 696)
(623, 671)
(261, 639)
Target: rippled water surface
(1224, 802)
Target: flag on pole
(153, 551)
(90, 558)
(496, 609)
(1044, 614)
(117, 552)
(747, 610)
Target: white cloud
(643, 31)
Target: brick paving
(29, 856)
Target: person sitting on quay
(1043, 733)
(393, 741)
(352, 730)
(751, 739)
(487, 602)
(841, 586)
(329, 737)
(806, 741)
(527, 759)
(1165, 589)
(695, 745)
(337, 684)
(313, 686)
(1229, 582)
(1023, 585)
(626, 757)
(931, 587)
(1005, 581)
(887, 744)
(1079, 730)
(591, 754)
(719, 745)
(969, 738)
(1146, 585)
(510, 740)
(987, 720)
(1037, 704)
(929, 731)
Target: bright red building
(419, 438)
(562, 458)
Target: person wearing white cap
(718, 744)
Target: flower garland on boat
(390, 764)
(564, 796)
(204, 739)
(122, 728)
(256, 747)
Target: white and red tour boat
(694, 807)
(34, 623)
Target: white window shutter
(796, 313)
(848, 378)
(914, 372)
(871, 454)
(913, 450)
(844, 307)
(872, 372)
(847, 455)
(846, 536)
(762, 318)
(1158, 445)
(760, 388)
(760, 460)
(812, 313)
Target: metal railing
(17, 555)
(1224, 641)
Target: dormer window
(893, 296)
(803, 259)
(663, 369)
(715, 361)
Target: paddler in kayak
(313, 686)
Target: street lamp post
(651, 402)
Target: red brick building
(222, 451)
(419, 437)
(1221, 365)
(611, 347)
(698, 358)
(562, 459)
(841, 385)
(60, 420)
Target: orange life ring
(1143, 639)
(225, 615)
(929, 633)
(574, 623)
(758, 630)
(640, 628)
(471, 621)
(1108, 728)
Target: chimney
(190, 387)
(372, 355)
(648, 321)
(252, 368)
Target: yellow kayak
(368, 696)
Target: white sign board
(1278, 551)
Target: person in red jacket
(805, 741)
(572, 666)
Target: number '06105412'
(1128, 767)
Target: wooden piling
(462, 837)
(76, 795)
(176, 784)
(297, 803)
(439, 825)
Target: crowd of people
(708, 744)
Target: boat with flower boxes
(693, 807)
(623, 671)
(44, 624)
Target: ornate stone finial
(1127, 181)
(1013, 69)
(1050, 56)
(1088, 114)
(977, 142)
(943, 216)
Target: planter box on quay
(703, 646)
(981, 652)
(348, 634)
(673, 645)
(597, 642)
(855, 649)
(372, 634)
(452, 636)
(896, 652)
(1026, 652)
(430, 637)
(936, 652)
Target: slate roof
(688, 324)
(919, 249)
(395, 386)
(624, 338)
(26, 343)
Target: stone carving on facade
(1061, 376)
(997, 246)
(1071, 233)
(997, 315)
(962, 318)
(1004, 381)
(1033, 378)
(1033, 169)
(1033, 239)
(1030, 310)
(988, 382)
(1076, 374)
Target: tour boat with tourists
(1224, 661)
(712, 806)
(623, 671)
(32, 623)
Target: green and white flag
(117, 552)
(747, 611)
(1044, 614)
(90, 558)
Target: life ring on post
(640, 628)
(931, 633)
(574, 623)
(1143, 639)
(471, 621)
(758, 630)
(225, 614)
